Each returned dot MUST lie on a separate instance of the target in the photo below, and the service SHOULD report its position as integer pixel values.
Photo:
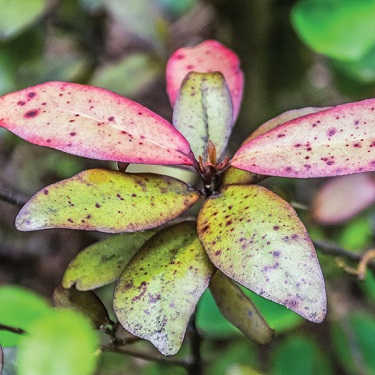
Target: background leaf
(19, 308)
(61, 343)
(337, 141)
(203, 112)
(340, 29)
(103, 262)
(107, 201)
(209, 56)
(158, 290)
(15, 16)
(256, 238)
(92, 122)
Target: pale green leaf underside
(239, 310)
(256, 238)
(103, 262)
(107, 201)
(160, 287)
(203, 111)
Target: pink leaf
(92, 122)
(337, 141)
(344, 197)
(209, 56)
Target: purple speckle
(31, 114)
(331, 132)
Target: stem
(16, 330)
(16, 199)
(196, 365)
(143, 355)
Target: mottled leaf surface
(257, 239)
(336, 141)
(203, 112)
(238, 176)
(158, 290)
(107, 201)
(103, 262)
(343, 197)
(239, 310)
(209, 56)
(92, 122)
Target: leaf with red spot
(336, 141)
(160, 287)
(203, 112)
(344, 197)
(257, 239)
(237, 308)
(209, 56)
(92, 122)
(107, 201)
(239, 176)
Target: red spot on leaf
(31, 114)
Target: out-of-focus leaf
(239, 309)
(61, 343)
(128, 76)
(342, 29)
(278, 317)
(242, 370)
(299, 355)
(209, 56)
(177, 7)
(336, 141)
(362, 71)
(257, 239)
(368, 285)
(103, 262)
(344, 197)
(142, 18)
(107, 201)
(159, 288)
(16, 16)
(203, 112)
(92, 122)
(354, 341)
(87, 302)
(19, 308)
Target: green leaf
(103, 262)
(354, 341)
(16, 15)
(87, 302)
(92, 122)
(299, 355)
(136, 70)
(332, 142)
(158, 290)
(203, 112)
(343, 29)
(61, 343)
(107, 201)
(239, 309)
(19, 308)
(256, 238)
(208, 56)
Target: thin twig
(196, 365)
(143, 355)
(13, 198)
(16, 330)
(333, 249)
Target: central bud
(210, 169)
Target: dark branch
(16, 330)
(146, 356)
(16, 199)
(196, 365)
